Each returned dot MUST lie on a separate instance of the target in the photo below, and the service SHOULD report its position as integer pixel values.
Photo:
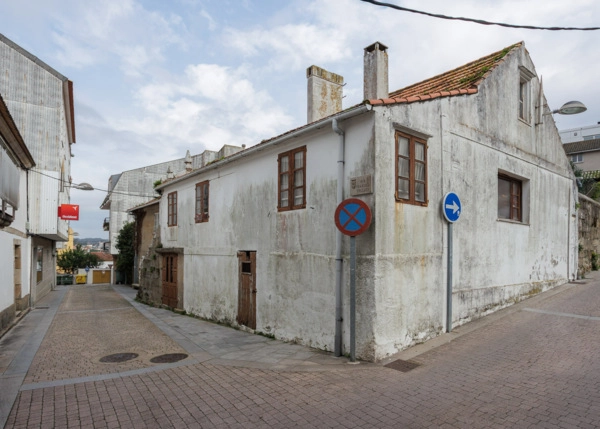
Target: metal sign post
(451, 207)
(352, 217)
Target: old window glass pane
(420, 171)
(284, 164)
(284, 199)
(403, 149)
(403, 167)
(298, 178)
(419, 151)
(503, 199)
(298, 196)
(284, 182)
(420, 192)
(299, 160)
(403, 189)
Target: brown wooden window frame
(289, 176)
(172, 209)
(412, 162)
(202, 203)
(515, 199)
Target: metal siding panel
(44, 202)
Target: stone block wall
(589, 234)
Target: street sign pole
(451, 208)
(352, 218)
(449, 284)
(352, 299)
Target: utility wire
(68, 184)
(479, 21)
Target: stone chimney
(376, 72)
(324, 93)
(188, 161)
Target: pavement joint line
(110, 376)
(95, 310)
(556, 313)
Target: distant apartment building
(589, 132)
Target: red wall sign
(68, 212)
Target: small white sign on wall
(361, 185)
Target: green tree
(125, 246)
(588, 186)
(70, 260)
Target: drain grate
(169, 358)
(41, 307)
(118, 357)
(402, 365)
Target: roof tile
(462, 80)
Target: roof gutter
(324, 123)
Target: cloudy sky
(154, 78)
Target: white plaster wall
(295, 249)
(16, 231)
(495, 262)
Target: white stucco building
(588, 132)
(251, 240)
(40, 102)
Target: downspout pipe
(338, 240)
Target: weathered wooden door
(169, 280)
(17, 273)
(247, 289)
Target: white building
(134, 187)
(251, 239)
(589, 132)
(40, 100)
(15, 159)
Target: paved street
(535, 364)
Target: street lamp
(82, 186)
(570, 108)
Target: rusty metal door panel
(169, 281)
(247, 289)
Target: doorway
(247, 289)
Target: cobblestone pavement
(535, 364)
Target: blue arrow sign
(451, 207)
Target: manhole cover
(402, 365)
(119, 357)
(169, 358)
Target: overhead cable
(479, 21)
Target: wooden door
(247, 289)
(169, 280)
(100, 276)
(17, 273)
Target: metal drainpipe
(338, 241)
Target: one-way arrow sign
(451, 207)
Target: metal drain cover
(118, 357)
(402, 365)
(169, 358)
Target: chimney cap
(377, 45)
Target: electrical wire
(479, 21)
(67, 184)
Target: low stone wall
(589, 235)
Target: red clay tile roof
(462, 80)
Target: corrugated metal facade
(38, 99)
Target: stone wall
(589, 234)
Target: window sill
(524, 121)
(515, 222)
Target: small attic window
(525, 77)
